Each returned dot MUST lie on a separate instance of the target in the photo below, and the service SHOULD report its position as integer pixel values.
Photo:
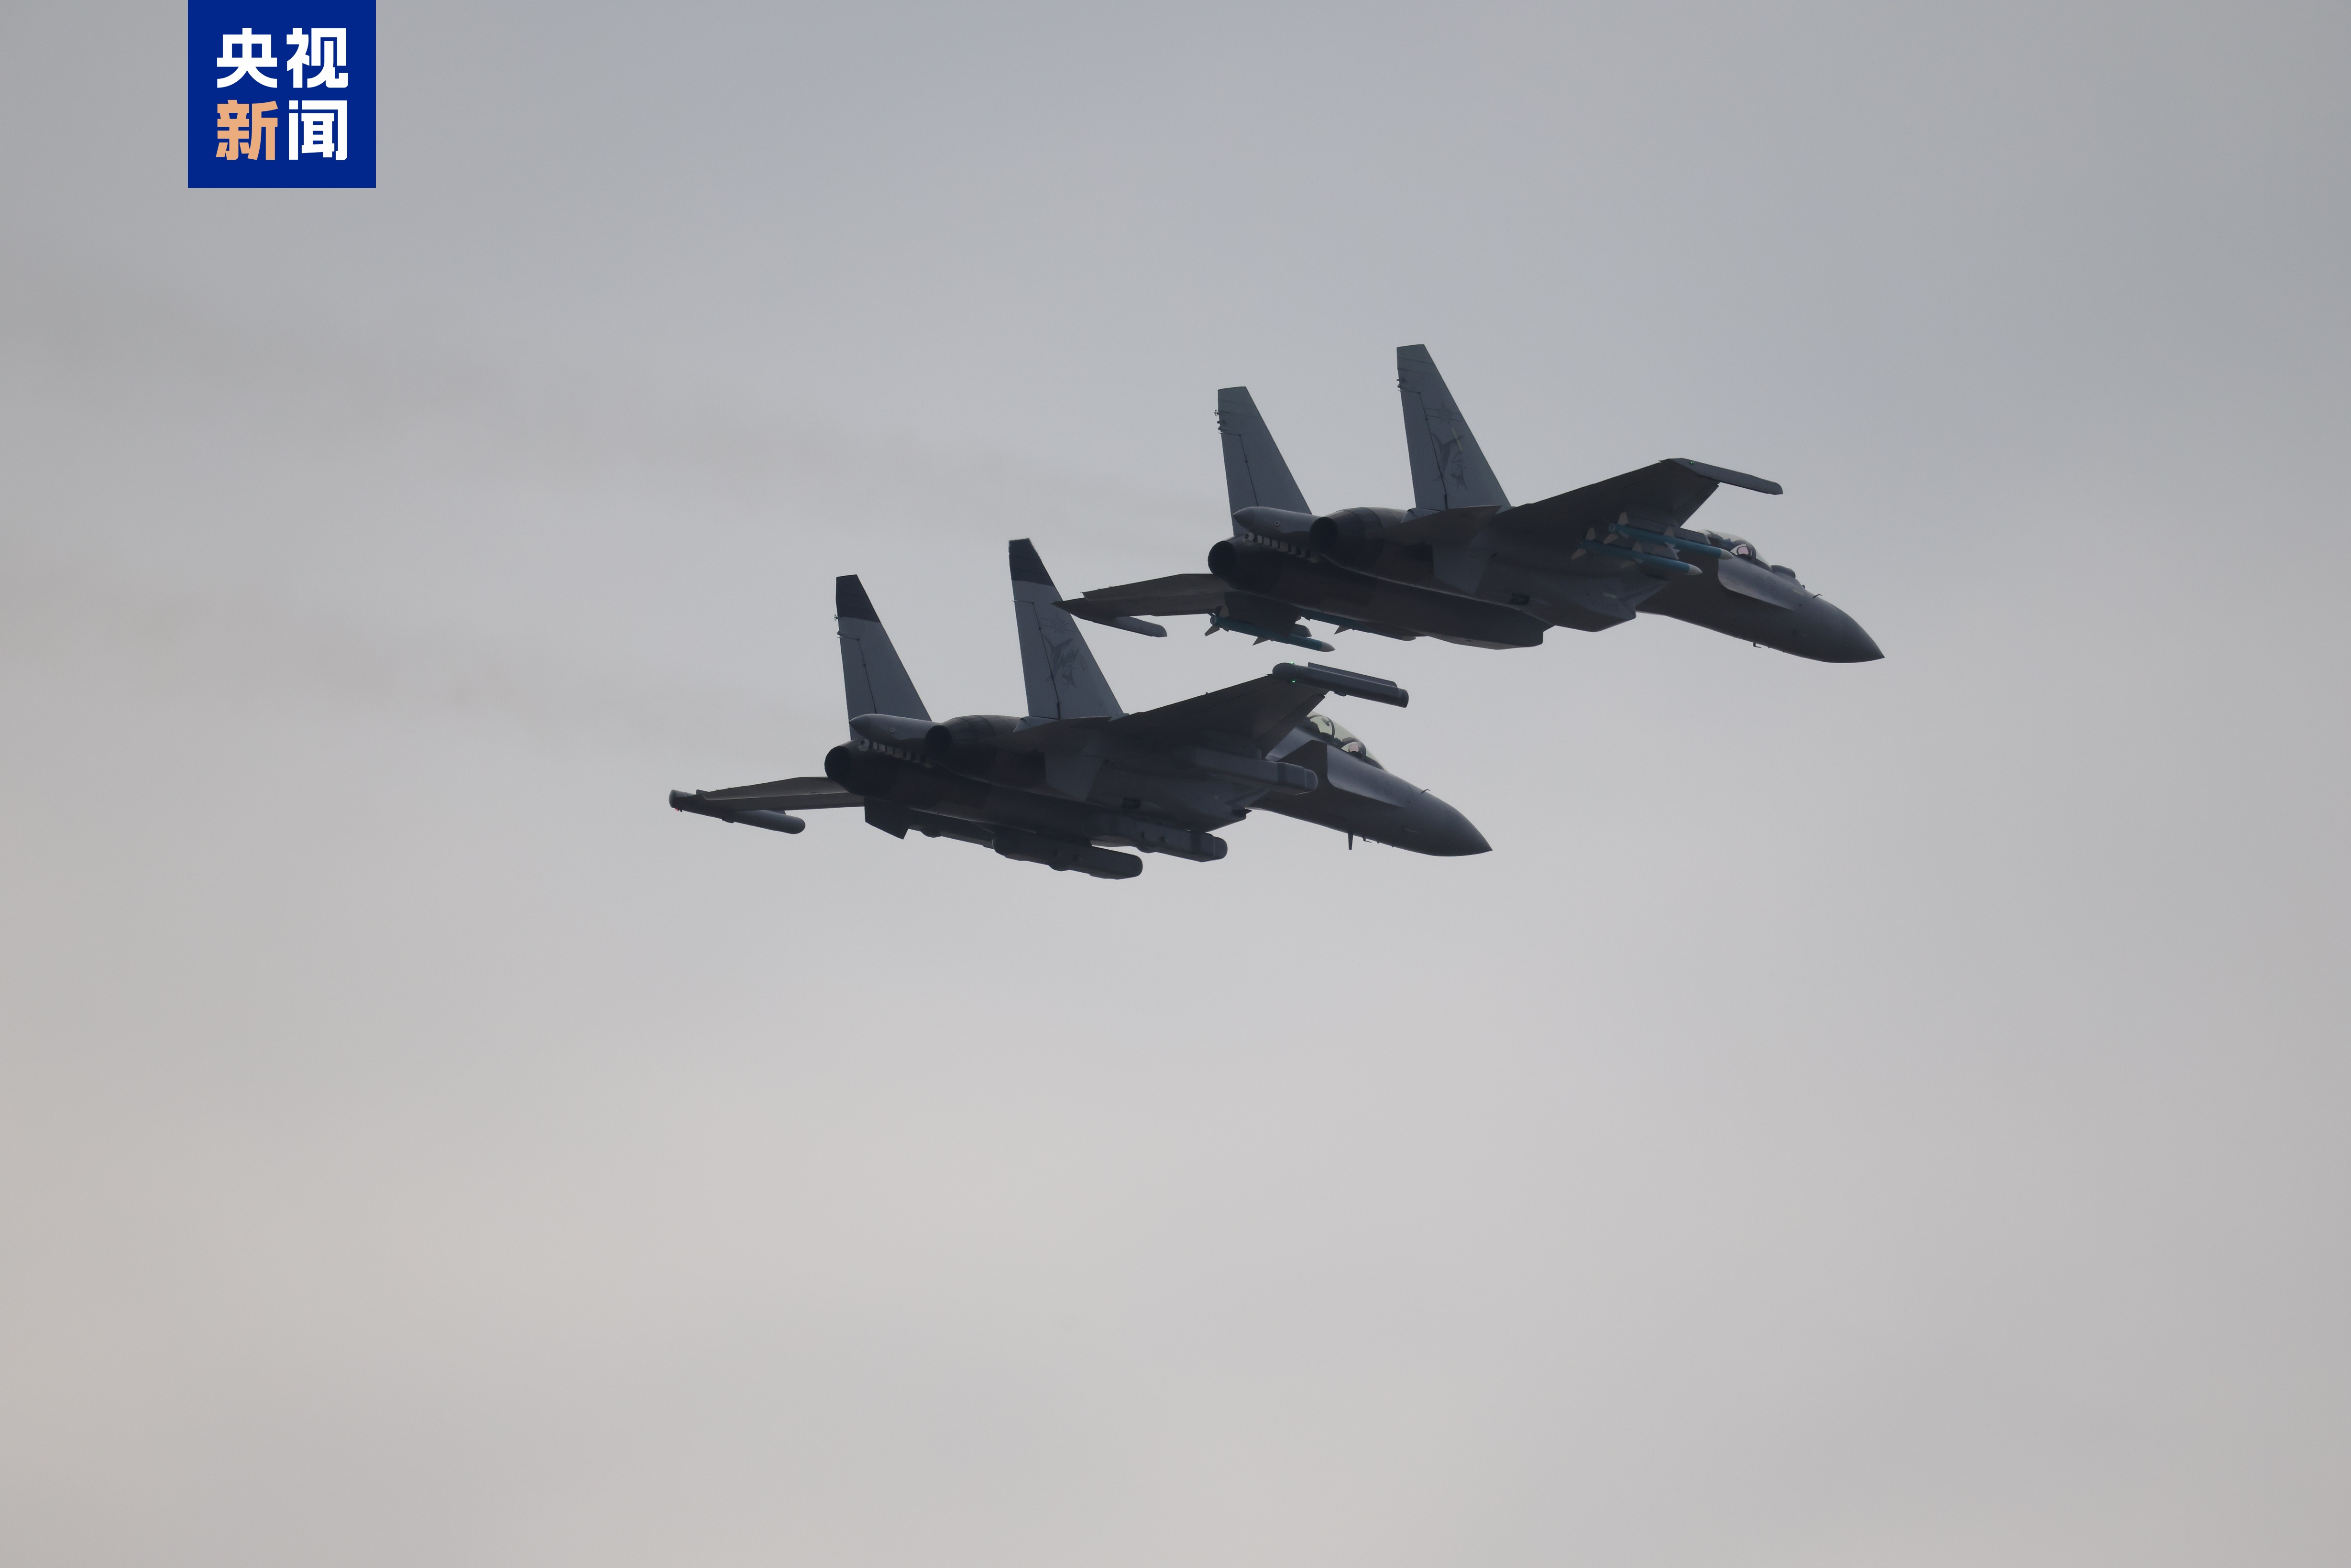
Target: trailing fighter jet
(1466, 566)
(1078, 774)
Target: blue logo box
(281, 94)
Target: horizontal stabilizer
(774, 821)
(783, 795)
(766, 806)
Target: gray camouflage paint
(1464, 566)
(1078, 779)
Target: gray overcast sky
(1857, 1115)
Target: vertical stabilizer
(1063, 680)
(870, 670)
(1255, 475)
(1448, 469)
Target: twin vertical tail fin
(1063, 680)
(1255, 475)
(872, 675)
(1448, 471)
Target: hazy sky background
(1858, 1114)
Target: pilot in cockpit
(1745, 552)
(1339, 738)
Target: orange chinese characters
(247, 130)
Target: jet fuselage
(1466, 566)
(1091, 785)
(1504, 592)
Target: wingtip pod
(1345, 683)
(1728, 476)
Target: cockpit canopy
(1746, 552)
(1339, 738)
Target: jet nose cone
(1433, 828)
(1835, 638)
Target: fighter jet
(1078, 775)
(1466, 566)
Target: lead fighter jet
(1077, 775)
(1464, 565)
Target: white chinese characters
(247, 54)
(315, 128)
(320, 128)
(325, 50)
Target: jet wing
(1260, 712)
(783, 795)
(1667, 492)
(1187, 594)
